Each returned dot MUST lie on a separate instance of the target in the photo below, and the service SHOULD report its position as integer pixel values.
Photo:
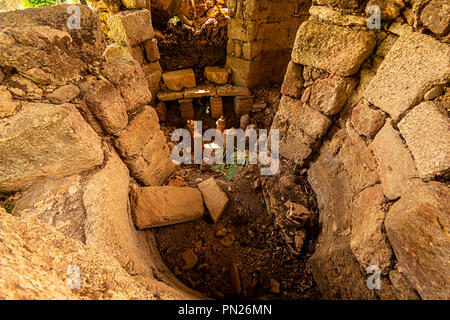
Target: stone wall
(261, 34)
(366, 111)
(77, 133)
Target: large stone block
(151, 50)
(131, 27)
(143, 146)
(177, 80)
(341, 4)
(128, 77)
(395, 163)
(338, 50)
(214, 197)
(106, 104)
(413, 65)
(244, 30)
(368, 240)
(162, 206)
(417, 226)
(45, 140)
(217, 75)
(329, 94)
(426, 129)
(435, 16)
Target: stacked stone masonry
(366, 111)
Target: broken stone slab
(165, 205)
(214, 197)
(200, 92)
(426, 130)
(395, 162)
(416, 226)
(217, 75)
(243, 105)
(338, 50)
(64, 94)
(415, 63)
(180, 79)
(230, 91)
(131, 27)
(45, 140)
(170, 96)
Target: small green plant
(41, 3)
(228, 170)
(6, 202)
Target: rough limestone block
(127, 75)
(368, 241)
(244, 30)
(153, 73)
(417, 227)
(7, 104)
(293, 80)
(426, 130)
(395, 162)
(64, 94)
(414, 64)
(435, 16)
(187, 109)
(214, 197)
(367, 121)
(151, 50)
(131, 27)
(106, 103)
(231, 91)
(138, 54)
(338, 50)
(216, 104)
(329, 94)
(134, 4)
(115, 50)
(165, 205)
(177, 80)
(243, 105)
(45, 140)
(217, 75)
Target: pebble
(228, 240)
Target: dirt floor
(249, 253)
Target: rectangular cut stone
(165, 205)
(243, 105)
(414, 63)
(216, 104)
(338, 50)
(395, 163)
(187, 109)
(310, 121)
(230, 91)
(214, 197)
(177, 80)
(131, 27)
(199, 92)
(426, 129)
(170, 96)
(217, 75)
(151, 50)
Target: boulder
(46, 140)
(417, 227)
(64, 94)
(338, 50)
(214, 197)
(162, 206)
